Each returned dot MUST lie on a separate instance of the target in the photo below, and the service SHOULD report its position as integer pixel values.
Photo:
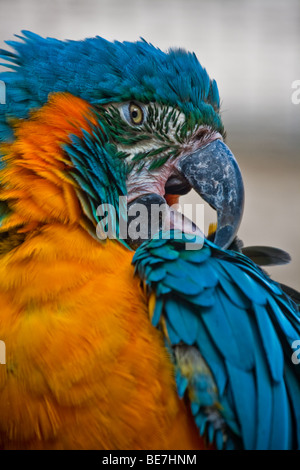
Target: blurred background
(252, 49)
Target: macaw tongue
(149, 214)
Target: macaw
(124, 342)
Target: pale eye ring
(134, 113)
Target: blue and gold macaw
(131, 342)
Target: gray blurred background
(252, 49)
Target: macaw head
(151, 127)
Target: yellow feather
(212, 228)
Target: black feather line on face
(164, 134)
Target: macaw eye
(134, 113)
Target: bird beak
(214, 174)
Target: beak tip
(224, 237)
(215, 175)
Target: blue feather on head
(100, 71)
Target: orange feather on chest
(84, 367)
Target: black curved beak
(214, 174)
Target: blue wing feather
(243, 385)
(264, 397)
(242, 325)
(271, 343)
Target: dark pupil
(134, 114)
